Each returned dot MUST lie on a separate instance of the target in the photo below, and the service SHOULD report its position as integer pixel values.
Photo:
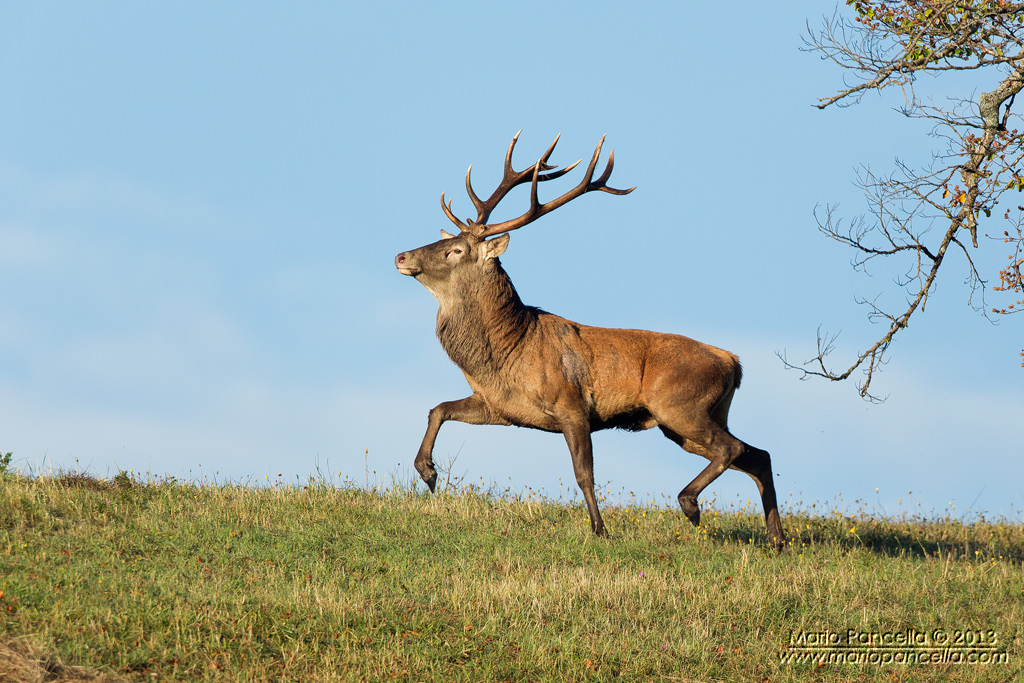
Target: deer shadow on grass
(918, 538)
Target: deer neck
(484, 326)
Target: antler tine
(544, 157)
(593, 164)
(508, 154)
(538, 209)
(472, 195)
(482, 208)
(599, 184)
(510, 179)
(451, 216)
(533, 189)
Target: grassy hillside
(170, 581)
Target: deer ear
(496, 247)
(447, 235)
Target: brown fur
(531, 368)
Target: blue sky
(201, 206)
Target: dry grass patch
(316, 583)
(21, 663)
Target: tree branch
(888, 43)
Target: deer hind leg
(711, 441)
(471, 410)
(758, 464)
(753, 461)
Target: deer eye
(453, 251)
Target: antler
(513, 178)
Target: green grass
(160, 580)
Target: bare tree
(919, 216)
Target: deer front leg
(471, 410)
(577, 436)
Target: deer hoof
(690, 509)
(427, 473)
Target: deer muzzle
(405, 264)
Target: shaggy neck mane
(481, 328)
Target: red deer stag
(530, 368)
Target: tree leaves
(887, 43)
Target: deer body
(530, 368)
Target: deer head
(451, 263)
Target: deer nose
(404, 264)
